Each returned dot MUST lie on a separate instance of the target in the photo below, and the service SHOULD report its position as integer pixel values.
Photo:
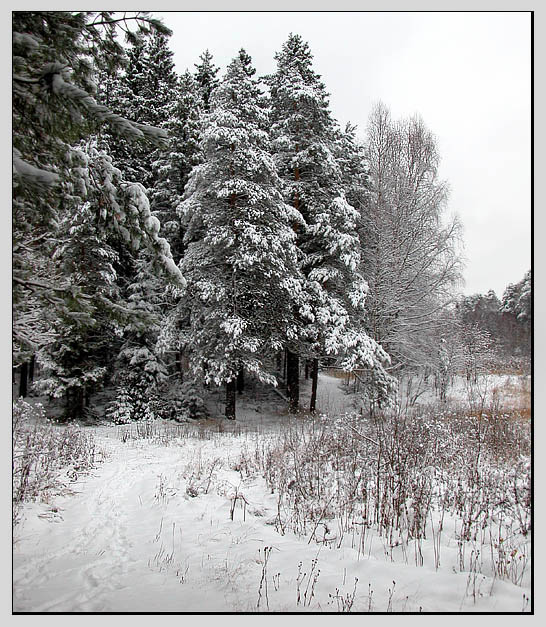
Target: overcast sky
(467, 74)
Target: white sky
(467, 74)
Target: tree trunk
(314, 383)
(23, 380)
(240, 380)
(31, 366)
(306, 369)
(75, 403)
(293, 381)
(180, 365)
(231, 388)
(295, 225)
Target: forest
(186, 246)
(183, 224)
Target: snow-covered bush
(134, 404)
(184, 403)
(140, 374)
(191, 401)
(121, 410)
(139, 402)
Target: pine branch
(30, 283)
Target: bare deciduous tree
(409, 246)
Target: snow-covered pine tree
(242, 263)
(145, 92)
(350, 155)
(86, 326)
(161, 93)
(126, 92)
(173, 166)
(140, 367)
(149, 91)
(507, 323)
(517, 314)
(121, 410)
(518, 299)
(483, 310)
(246, 62)
(90, 318)
(56, 55)
(205, 77)
(304, 140)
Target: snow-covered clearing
(171, 522)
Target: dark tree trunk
(31, 366)
(240, 380)
(293, 381)
(23, 380)
(75, 403)
(285, 361)
(314, 383)
(180, 366)
(87, 398)
(231, 396)
(306, 369)
(279, 363)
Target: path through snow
(163, 526)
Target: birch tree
(409, 245)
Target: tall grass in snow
(45, 456)
(406, 477)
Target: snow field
(180, 524)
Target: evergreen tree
(246, 62)
(141, 369)
(173, 166)
(121, 410)
(149, 91)
(90, 319)
(188, 113)
(55, 59)
(517, 311)
(129, 94)
(161, 94)
(517, 299)
(205, 77)
(86, 328)
(482, 310)
(145, 92)
(304, 140)
(241, 256)
(505, 323)
(350, 155)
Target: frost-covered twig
(365, 437)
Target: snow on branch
(31, 173)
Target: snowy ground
(168, 524)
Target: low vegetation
(46, 457)
(401, 477)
